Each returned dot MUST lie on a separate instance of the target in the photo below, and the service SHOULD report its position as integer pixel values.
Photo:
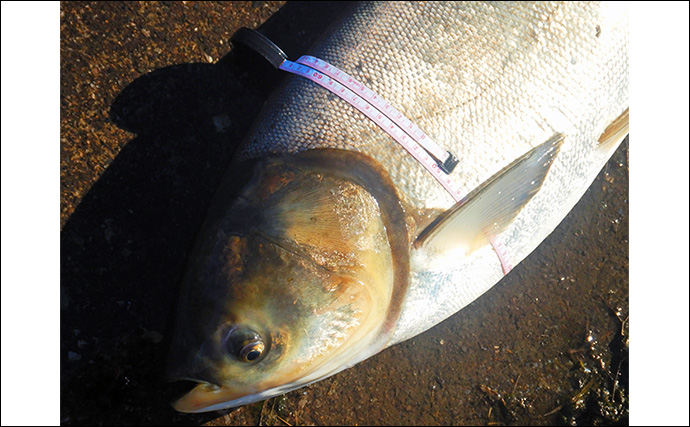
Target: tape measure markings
(380, 118)
(399, 118)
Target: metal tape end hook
(449, 164)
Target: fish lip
(193, 400)
(207, 397)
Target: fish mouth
(206, 397)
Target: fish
(340, 244)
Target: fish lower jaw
(206, 397)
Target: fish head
(291, 285)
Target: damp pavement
(154, 101)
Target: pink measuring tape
(437, 161)
(381, 112)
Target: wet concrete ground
(153, 102)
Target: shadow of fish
(340, 244)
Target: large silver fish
(341, 244)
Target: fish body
(341, 244)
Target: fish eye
(251, 351)
(245, 344)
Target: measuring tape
(437, 161)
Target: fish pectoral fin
(490, 207)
